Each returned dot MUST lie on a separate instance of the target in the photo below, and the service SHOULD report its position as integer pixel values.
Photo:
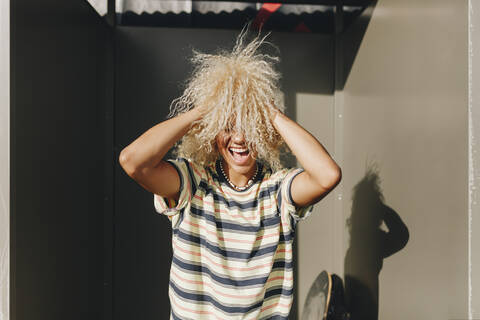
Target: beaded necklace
(249, 183)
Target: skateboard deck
(325, 299)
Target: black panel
(60, 153)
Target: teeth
(238, 150)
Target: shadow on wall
(351, 39)
(369, 245)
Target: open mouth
(239, 154)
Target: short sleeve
(188, 184)
(284, 198)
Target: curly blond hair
(238, 89)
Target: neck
(237, 178)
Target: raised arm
(142, 159)
(321, 173)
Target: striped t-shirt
(232, 250)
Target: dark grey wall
(61, 103)
(151, 63)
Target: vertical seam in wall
(471, 176)
(116, 154)
(338, 157)
(338, 208)
(339, 231)
(6, 257)
(12, 309)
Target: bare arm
(321, 173)
(142, 159)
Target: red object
(302, 27)
(264, 13)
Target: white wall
(4, 159)
(474, 160)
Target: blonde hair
(238, 88)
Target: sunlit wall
(405, 111)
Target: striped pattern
(232, 250)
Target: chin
(244, 169)
(240, 168)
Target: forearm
(313, 157)
(150, 148)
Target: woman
(232, 205)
